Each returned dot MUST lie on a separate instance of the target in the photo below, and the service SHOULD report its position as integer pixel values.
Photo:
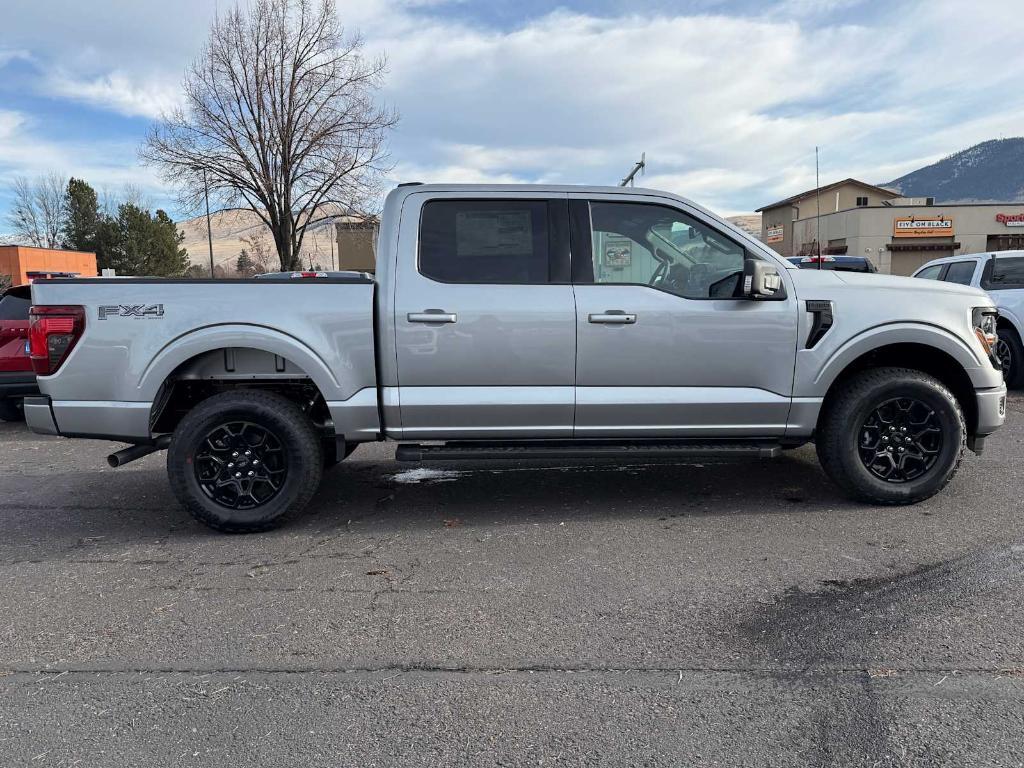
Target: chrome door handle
(432, 316)
(612, 317)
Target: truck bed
(141, 331)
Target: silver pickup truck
(522, 322)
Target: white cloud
(106, 165)
(728, 106)
(117, 91)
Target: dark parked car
(837, 263)
(17, 378)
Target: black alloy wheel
(245, 460)
(241, 465)
(891, 435)
(900, 440)
(1004, 353)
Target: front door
(665, 345)
(485, 318)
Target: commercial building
(898, 234)
(16, 261)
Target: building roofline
(44, 248)
(937, 208)
(826, 188)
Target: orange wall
(17, 260)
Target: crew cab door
(485, 321)
(665, 345)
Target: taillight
(52, 334)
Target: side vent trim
(822, 312)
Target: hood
(910, 284)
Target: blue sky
(728, 99)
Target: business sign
(911, 226)
(1011, 219)
(775, 234)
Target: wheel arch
(183, 349)
(213, 360)
(936, 361)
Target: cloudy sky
(727, 98)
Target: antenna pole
(638, 168)
(817, 196)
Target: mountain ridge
(992, 171)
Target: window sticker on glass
(493, 233)
(618, 252)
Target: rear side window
(485, 241)
(930, 273)
(1005, 272)
(14, 308)
(960, 272)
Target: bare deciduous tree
(39, 209)
(281, 117)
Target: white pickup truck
(522, 322)
(1001, 274)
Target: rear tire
(877, 413)
(12, 409)
(245, 461)
(1010, 352)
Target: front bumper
(18, 384)
(991, 409)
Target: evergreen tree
(167, 258)
(245, 266)
(81, 226)
(147, 244)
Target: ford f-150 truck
(521, 322)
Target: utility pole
(638, 168)
(334, 236)
(817, 196)
(209, 230)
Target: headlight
(984, 320)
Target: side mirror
(761, 280)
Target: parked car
(837, 263)
(17, 378)
(1001, 274)
(510, 322)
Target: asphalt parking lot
(526, 614)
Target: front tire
(1010, 352)
(245, 461)
(891, 436)
(11, 409)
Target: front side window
(930, 273)
(960, 272)
(485, 241)
(1005, 272)
(644, 244)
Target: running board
(583, 450)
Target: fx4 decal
(131, 310)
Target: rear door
(485, 318)
(665, 347)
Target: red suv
(16, 376)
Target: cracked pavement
(668, 613)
